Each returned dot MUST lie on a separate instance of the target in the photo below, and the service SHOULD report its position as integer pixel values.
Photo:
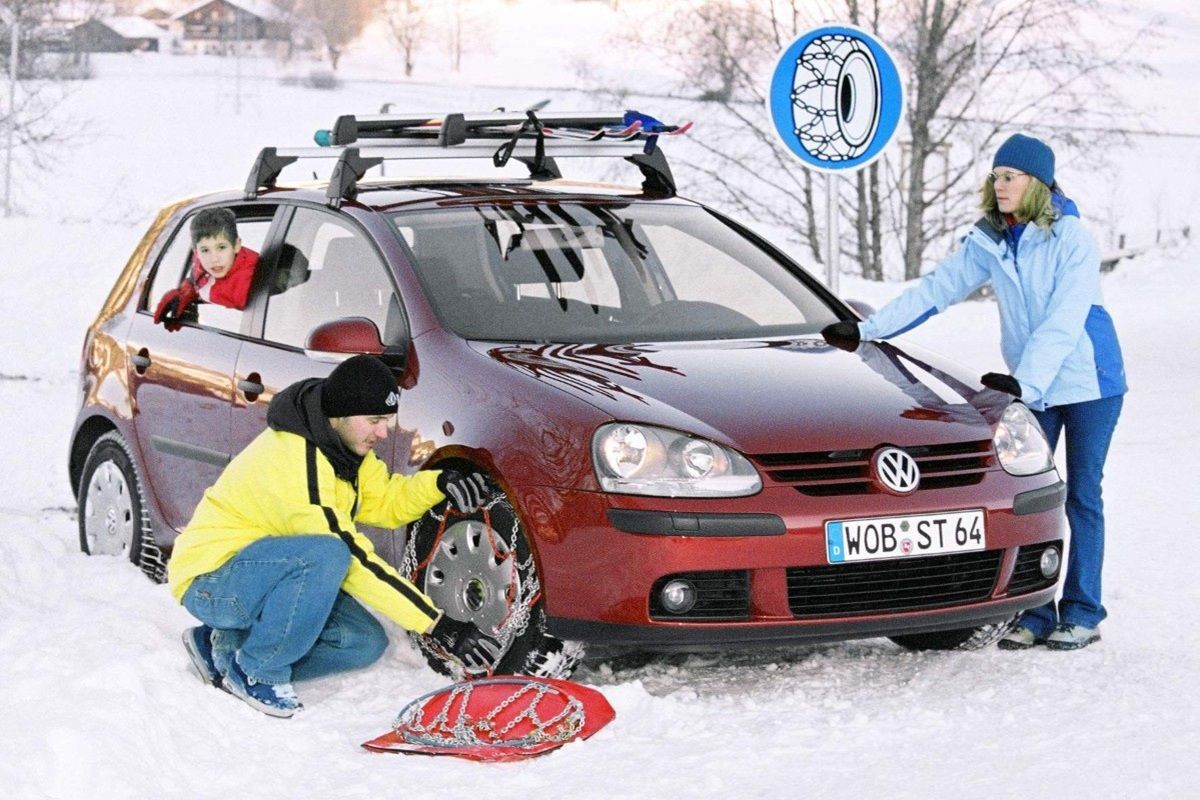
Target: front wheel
(479, 567)
(958, 639)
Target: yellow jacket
(282, 485)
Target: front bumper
(602, 557)
(682, 636)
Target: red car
(684, 461)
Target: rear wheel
(957, 639)
(112, 511)
(478, 567)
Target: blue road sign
(836, 98)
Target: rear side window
(328, 270)
(176, 262)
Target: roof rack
(536, 140)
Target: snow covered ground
(98, 700)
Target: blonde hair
(1034, 206)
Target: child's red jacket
(233, 290)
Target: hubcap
(108, 512)
(470, 575)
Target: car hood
(769, 396)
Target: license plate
(875, 538)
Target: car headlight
(1020, 444)
(642, 459)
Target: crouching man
(272, 564)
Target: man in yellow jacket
(271, 562)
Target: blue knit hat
(1027, 154)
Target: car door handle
(250, 387)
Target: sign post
(836, 99)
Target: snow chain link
(462, 732)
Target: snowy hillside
(99, 701)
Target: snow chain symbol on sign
(836, 98)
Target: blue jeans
(278, 605)
(1089, 429)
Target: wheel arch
(85, 438)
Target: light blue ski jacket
(1056, 337)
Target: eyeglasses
(1005, 177)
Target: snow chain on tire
(547, 656)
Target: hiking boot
(198, 642)
(1072, 637)
(1020, 638)
(275, 699)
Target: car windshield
(606, 273)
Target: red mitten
(174, 304)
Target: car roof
(423, 193)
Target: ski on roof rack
(537, 140)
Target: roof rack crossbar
(347, 172)
(265, 171)
(536, 140)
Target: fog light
(1051, 559)
(678, 596)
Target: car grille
(1027, 574)
(848, 472)
(907, 584)
(720, 597)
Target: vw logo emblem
(895, 471)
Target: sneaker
(275, 699)
(198, 642)
(1020, 638)
(1072, 637)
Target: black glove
(475, 649)
(174, 305)
(465, 492)
(842, 335)
(1002, 383)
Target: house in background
(117, 35)
(223, 27)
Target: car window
(176, 260)
(328, 270)
(603, 273)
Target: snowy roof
(259, 8)
(133, 27)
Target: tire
(113, 520)
(474, 575)
(958, 639)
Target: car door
(182, 381)
(327, 269)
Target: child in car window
(221, 272)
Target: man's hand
(475, 649)
(842, 335)
(174, 305)
(465, 492)
(1002, 383)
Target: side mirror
(350, 336)
(864, 309)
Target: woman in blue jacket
(1060, 347)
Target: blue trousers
(279, 607)
(1088, 429)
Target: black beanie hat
(360, 385)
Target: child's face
(216, 254)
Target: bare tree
(407, 24)
(31, 119)
(976, 70)
(339, 22)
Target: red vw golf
(684, 462)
